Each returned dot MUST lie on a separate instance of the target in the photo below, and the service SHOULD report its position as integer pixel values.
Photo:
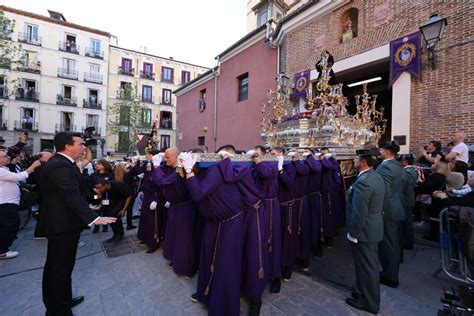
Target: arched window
(349, 24)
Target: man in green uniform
(365, 230)
(409, 180)
(393, 213)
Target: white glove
(280, 162)
(352, 239)
(306, 154)
(291, 154)
(153, 205)
(317, 155)
(157, 160)
(327, 155)
(188, 161)
(135, 159)
(251, 152)
(224, 154)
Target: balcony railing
(147, 99)
(65, 128)
(3, 92)
(92, 103)
(95, 78)
(27, 95)
(96, 132)
(94, 53)
(24, 125)
(166, 124)
(147, 75)
(30, 67)
(164, 102)
(63, 100)
(5, 63)
(3, 125)
(29, 39)
(68, 73)
(124, 94)
(126, 71)
(69, 47)
(167, 79)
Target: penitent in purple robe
(150, 225)
(180, 239)
(255, 260)
(220, 263)
(314, 199)
(286, 195)
(265, 175)
(338, 193)
(328, 212)
(302, 208)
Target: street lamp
(432, 31)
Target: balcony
(166, 124)
(126, 71)
(68, 101)
(3, 125)
(147, 99)
(92, 103)
(30, 67)
(69, 47)
(167, 79)
(26, 38)
(202, 104)
(3, 92)
(65, 128)
(26, 126)
(94, 53)
(147, 75)
(27, 95)
(164, 102)
(124, 94)
(94, 78)
(96, 132)
(5, 63)
(68, 73)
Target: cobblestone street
(140, 284)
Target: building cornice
(51, 20)
(246, 41)
(205, 77)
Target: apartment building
(60, 82)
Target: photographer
(9, 201)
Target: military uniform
(365, 223)
(389, 248)
(409, 180)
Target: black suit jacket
(63, 198)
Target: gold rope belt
(270, 227)
(300, 210)
(290, 214)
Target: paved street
(140, 284)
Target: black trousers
(60, 260)
(9, 223)
(130, 211)
(367, 274)
(389, 250)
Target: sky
(193, 31)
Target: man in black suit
(65, 212)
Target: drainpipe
(215, 72)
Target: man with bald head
(179, 247)
(460, 150)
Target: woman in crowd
(103, 170)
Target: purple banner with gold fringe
(405, 55)
(301, 85)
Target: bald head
(459, 137)
(44, 156)
(171, 156)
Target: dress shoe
(387, 282)
(130, 227)
(194, 298)
(77, 300)
(275, 285)
(96, 229)
(255, 305)
(355, 295)
(286, 274)
(152, 249)
(352, 302)
(105, 229)
(305, 265)
(113, 239)
(9, 255)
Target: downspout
(215, 72)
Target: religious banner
(405, 55)
(301, 85)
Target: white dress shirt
(9, 190)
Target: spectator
(122, 175)
(103, 171)
(461, 167)
(9, 202)
(455, 186)
(430, 154)
(460, 150)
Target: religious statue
(348, 32)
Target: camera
(89, 140)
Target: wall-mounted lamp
(432, 31)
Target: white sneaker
(423, 224)
(81, 244)
(9, 255)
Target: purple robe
(149, 225)
(314, 198)
(220, 263)
(302, 208)
(180, 239)
(338, 193)
(255, 260)
(266, 179)
(329, 217)
(286, 195)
